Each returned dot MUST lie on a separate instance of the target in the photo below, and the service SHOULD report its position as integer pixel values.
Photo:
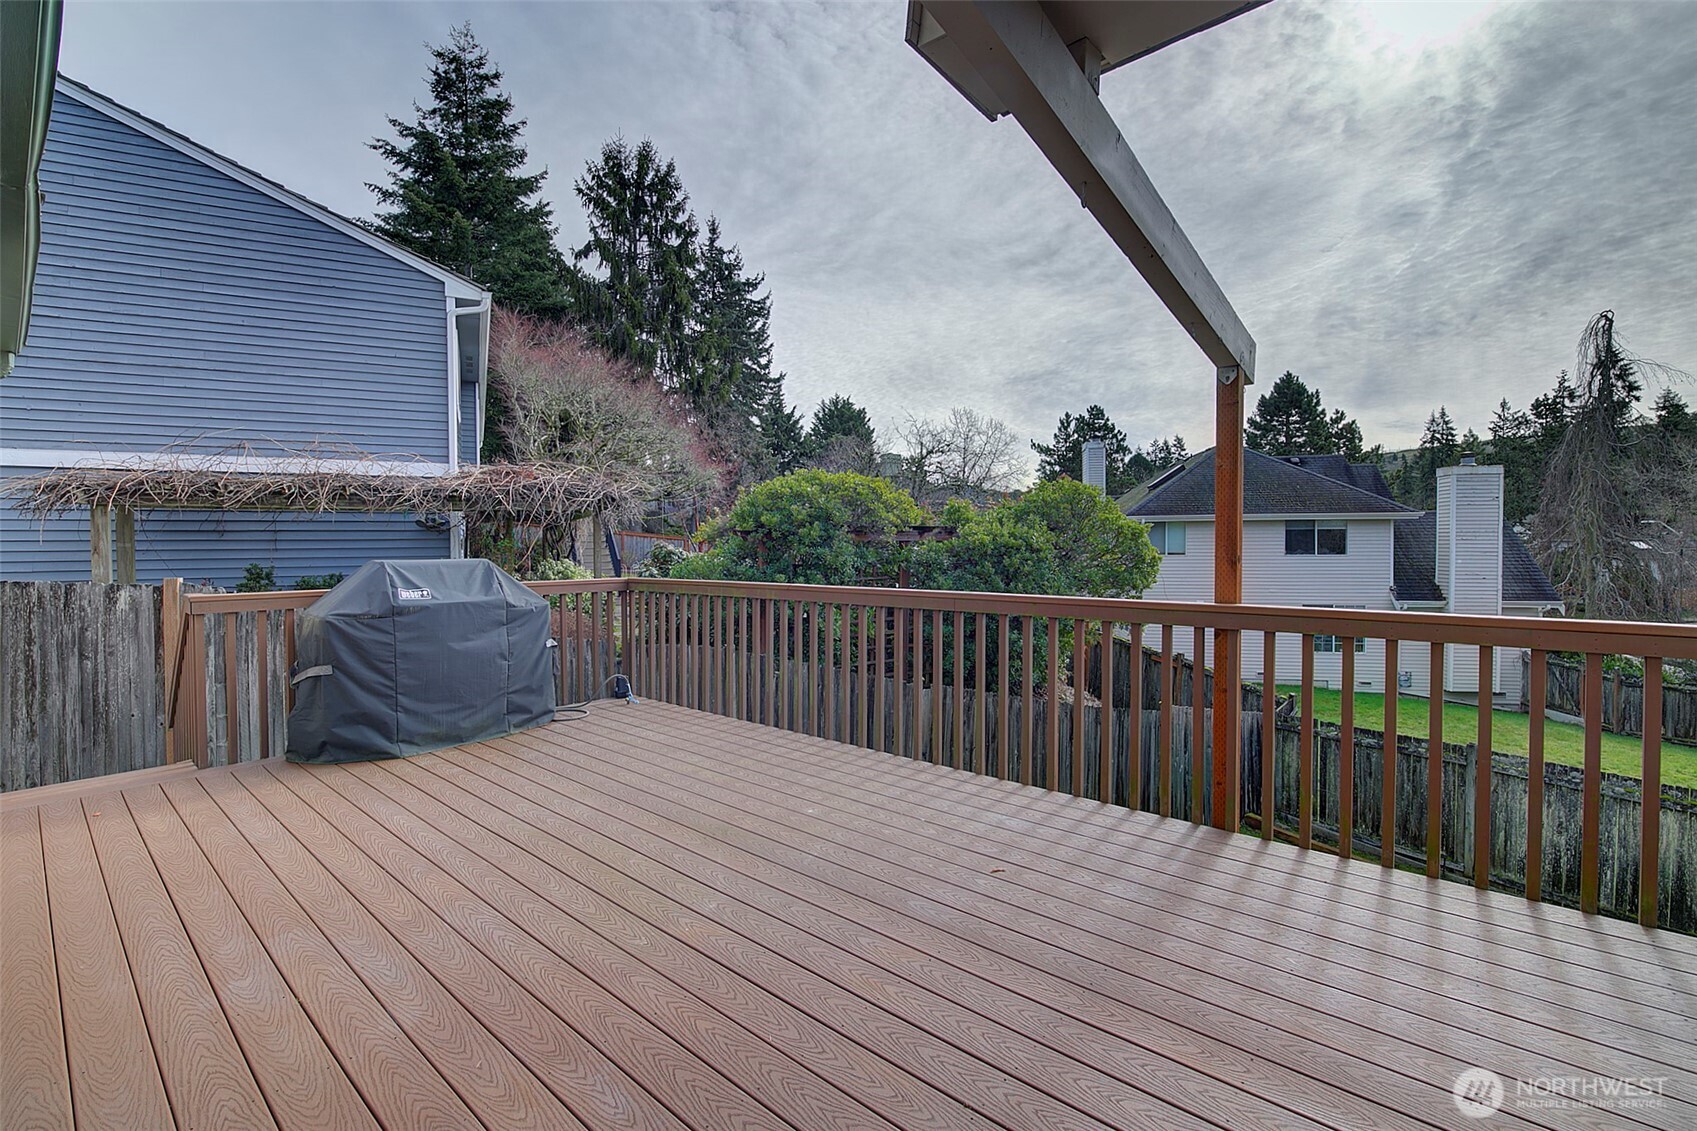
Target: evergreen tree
(1551, 414)
(1514, 445)
(1166, 453)
(841, 437)
(783, 437)
(1064, 455)
(1674, 419)
(1288, 420)
(642, 236)
(455, 193)
(732, 351)
(1416, 483)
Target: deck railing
(1022, 688)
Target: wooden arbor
(1042, 63)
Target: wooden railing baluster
(1388, 767)
(1650, 812)
(980, 689)
(1482, 771)
(1346, 753)
(1537, 688)
(958, 758)
(1164, 708)
(880, 647)
(1079, 653)
(1269, 732)
(1105, 716)
(1052, 707)
(1027, 712)
(1199, 728)
(1435, 761)
(1305, 750)
(937, 686)
(1004, 744)
(1590, 818)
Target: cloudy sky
(1407, 203)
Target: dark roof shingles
(1273, 486)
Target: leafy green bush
(1099, 552)
(801, 527)
(321, 580)
(661, 560)
(257, 578)
(559, 569)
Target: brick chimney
(1470, 556)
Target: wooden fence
(1623, 701)
(80, 686)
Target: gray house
(189, 308)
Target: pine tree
(642, 236)
(1416, 483)
(1166, 453)
(732, 351)
(1514, 446)
(1674, 419)
(455, 193)
(1064, 455)
(783, 437)
(841, 437)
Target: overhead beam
(1014, 49)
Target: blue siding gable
(177, 306)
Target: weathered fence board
(80, 690)
(1623, 701)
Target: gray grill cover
(405, 657)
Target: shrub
(661, 561)
(1099, 552)
(801, 527)
(257, 578)
(321, 580)
(559, 569)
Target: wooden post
(126, 548)
(100, 544)
(170, 643)
(1228, 590)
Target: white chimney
(1096, 464)
(1470, 557)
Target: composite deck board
(1657, 1009)
(659, 918)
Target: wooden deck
(653, 917)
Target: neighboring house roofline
(1302, 516)
(1283, 484)
(455, 284)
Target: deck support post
(1228, 590)
(100, 544)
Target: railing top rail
(1672, 641)
(200, 603)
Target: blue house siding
(176, 306)
(215, 547)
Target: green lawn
(1563, 742)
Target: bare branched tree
(1590, 532)
(968, 454)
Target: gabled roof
(1271, 486)
(457, 285)
(1416, 566)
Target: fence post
(170, 656)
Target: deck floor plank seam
(486, 1076)
(398, 1083)
(1051, 1042)
(1648, 1010)
(496, 868)
(574, 947)
(1524, 925)
(305, 1087)
(1016, 1100)
(35, 1078)
(206, 1077)
(552, 865)
(115, 1080)
(1528, 1050)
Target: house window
(1306, 536)
(1324, 643)
(1167, 537)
